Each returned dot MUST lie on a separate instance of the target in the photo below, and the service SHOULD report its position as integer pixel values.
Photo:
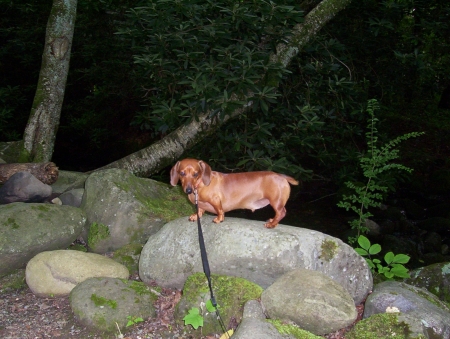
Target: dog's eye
(195, 174)
(182, 174)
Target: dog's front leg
(193, 217)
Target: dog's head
(191, 173)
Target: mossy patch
(97, 233)
(379, 326)
(164, 202)
(11, 222)
(13, 281)
(291, 329)
(100, 301)
(231, 294)
(329, 250)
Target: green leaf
(361, 251)
(210, 307)
(193, 318)
(401, 258)
(364, 242)
(389, 257)
(375, 249)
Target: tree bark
(45, 172)
(162, 153)
(43, 123)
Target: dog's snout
(189, 190)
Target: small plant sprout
(133, 320)
(194, 318)
(394, 268)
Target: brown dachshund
(222, 192)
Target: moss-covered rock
(434, 278)
(122, 208)
(383, 326)
(231, 294)
(102, 304)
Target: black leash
(205, 264)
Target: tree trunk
(46, 172)
(162, 153)
(40, 132)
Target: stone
(101, 303)
(24, 187)
(245, 248)
(28, 229)
(56, 273)
(311, 300)
(419, 305)
(231, 293)
(122, 208)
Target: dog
(223, 192)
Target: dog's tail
(290, 180)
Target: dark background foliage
(139, 69)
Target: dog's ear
(206, 172)
(174, 176)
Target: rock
(231, 293)
(419, 306)
(128, 256)
(387, 325)
(432, 243)
(434, 278)
(246, 249)
(310, 300)
(412, 209)
(436, 224)
(124, 208)
(56, 273)
(24, 187)
(100, 303)
(72, 197)
(28, 229)
(254, 324)
(68, 180)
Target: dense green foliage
(141, 68)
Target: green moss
(78, 247)
(329, 249)
(231, 294)
(381, 326)
(141, 289)
(166, 203)
(100, 301)
(97, 232)
(13, 281)
(12, 223)
(294, 330)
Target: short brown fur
(223, 192)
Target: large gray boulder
(56, 273)
(245, 248)
(28, 229)
(122, 208)
(419, 308)
(310, 300)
